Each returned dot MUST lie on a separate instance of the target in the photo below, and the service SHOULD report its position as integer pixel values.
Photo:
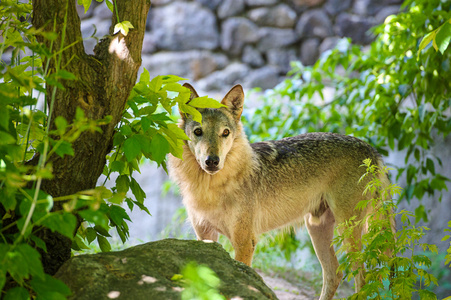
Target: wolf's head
(211, 141)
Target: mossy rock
(145, 272)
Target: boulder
(354, 26)
(252, 57)
(229, 8)
(237, 32)
(183, 26)
(314, 23)
(281, 16)
(334, 7)
(211, 4)
(265, 78)
(222, 80)
(271, 37)
(189, 64)
(310, 51)
(281, 58)
(146, 271)
(260, 2)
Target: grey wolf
(241, 190)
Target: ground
(286, 288)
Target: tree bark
(104, 82)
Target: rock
(281, 58)
(211, 4)
(189, 64)
(328, 43)
(252, 57)
(355, 27)
(149, 43)
(265, 78)
(314, 23)
(229, 8)
(307, 3)
(160, 2)
(222, 80)
(236, 32)
(102, 11)
(281, 16)
(275, 38)
(260, 2)
(309, 51)
(184, 26)
(145, 272)
(334, 7)
(385, 12)
(369, 7)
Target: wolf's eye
(226, 132)
(198, 131)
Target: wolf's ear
(191, 97)
(192, 90)
(234, 101)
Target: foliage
(200, 283)
(145, 131)
(393, 270)
(384, 95)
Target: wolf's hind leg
(321, 234)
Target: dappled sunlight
(119, 47)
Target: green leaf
(91, 234)
(32, 259)
(61, 124)
(117, 166)
(145, 76)
(96, 217)
(137, 191)
(122, 184)
(103, 244)
(132, 148)
(205, 102)
(192, 111)
(426, 40)
(39, 243)
(63, 223)
(4, 116)
(145, 123)
(443, 37)
(16, 266)
(101, 230)
(49, 288)
(64, 148)
(6, 138)
(17, 293)
(159, 148)
(86, 4)
(123, 27)
(118, 214)
(109, 5)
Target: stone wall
(220, 43)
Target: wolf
(240, 190)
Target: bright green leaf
(103, 244)
(132, 148)
(17, 293)
(159, 148)
(137, 190)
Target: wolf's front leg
(204, 230)
(244, 241)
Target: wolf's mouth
(212, 170)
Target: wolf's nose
(212, 161)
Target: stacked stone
(219, 43)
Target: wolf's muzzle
(212, 161)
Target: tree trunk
(104, 82)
